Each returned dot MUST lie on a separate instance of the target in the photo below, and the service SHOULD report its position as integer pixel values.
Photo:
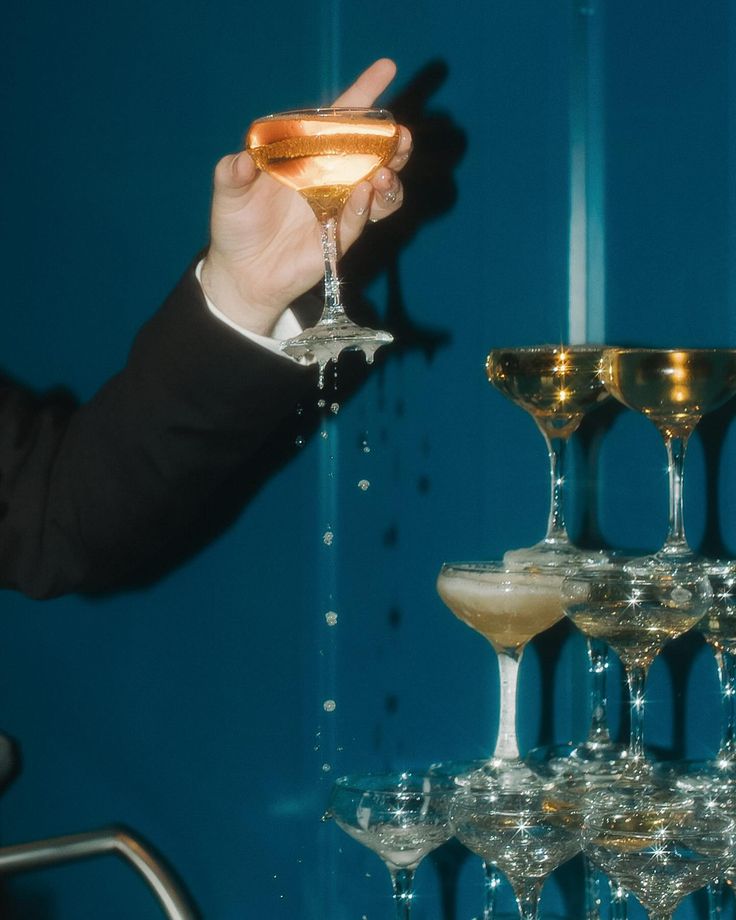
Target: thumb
(234, 174)
(369, 85)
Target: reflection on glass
(323, 154)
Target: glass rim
(630, 350)
(325, 111)
(581, 348)
(360, 782)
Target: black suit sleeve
(90, 495)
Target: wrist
(225, 292)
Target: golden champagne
(556, 384)
(673, 388)
(508, 608)
(322, 156)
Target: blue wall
(193, 711)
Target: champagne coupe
(527, 833)
(636, 614)
(323, 154)
(674, 389)
(400, 816)
(556, 385)
(660, 851)
(508, 609)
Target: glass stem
(528, 900)
(636, 676)
(334, 310)
(491, 881)
(715, 894)
(727, 678)
(598, 668)
(507, 747)
(675, 544)
(619, 901)
(403, 885)
(556, 449)
(592, 890)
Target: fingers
(403, 150)
(388, 194)
(369, 85)
(234, 174)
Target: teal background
(193, 711)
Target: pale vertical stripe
(586, 259)
(731, 165)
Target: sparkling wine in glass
(526, 833)
(556, 385)
(661, 852)
(673, 388)
(508, 608)
(400, 816)
(636, 614)
(323, 154)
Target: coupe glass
(674, 389)
(636, 614)
(556, 385)
(526, 833)
(660, 851)
(323, 154)
(400, 816)
(508, 609)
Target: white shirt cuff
(287, 326)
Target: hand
(265, 245)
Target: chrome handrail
(70, 847)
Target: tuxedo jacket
(89, 495)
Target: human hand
(265, 245)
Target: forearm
(102, 490)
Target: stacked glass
(659, 832)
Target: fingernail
(383, 175)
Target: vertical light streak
(731, 166)
(586, 304)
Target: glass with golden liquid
(323, 154)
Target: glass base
(716, 776)
(553, 555)
(590, 761)
(327, 340)
(506, 775)
(669, 565)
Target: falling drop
(321, 403)
(364, 445)
(335, 408)
(300, 409)
(323, 434)
(329, 705)
(328, 537)
(299, 441)
(331, 618)
(363, 484)
(326, 767)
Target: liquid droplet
(300, 409)
(299, 441)
(363, 484)
(321, 403)
(331, 618)
(326, 767)
(335, 408)
(328, 537)
(329, 705)
(323, 434)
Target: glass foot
(554, 555)
(589, 762)
(716, 776)
(505, 775)
(325, 341)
